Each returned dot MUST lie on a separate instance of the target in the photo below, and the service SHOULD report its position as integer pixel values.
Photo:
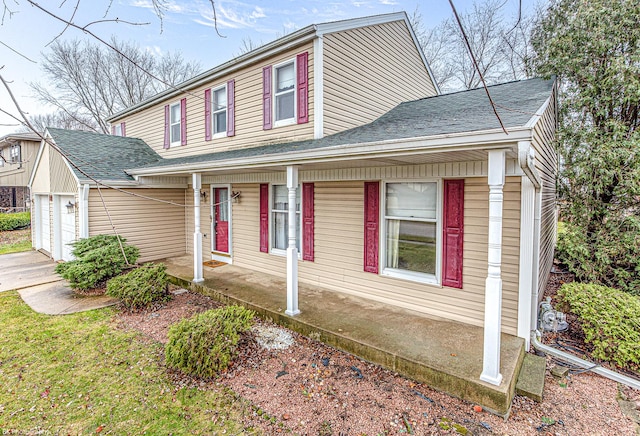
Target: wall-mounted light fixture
(203, 195)
(70, 206)
(235, 196)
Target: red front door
(221, 219)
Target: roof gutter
(486, 140)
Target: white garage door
(67, 226)
(44, 225)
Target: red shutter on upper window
(303, 87)
(452, 233)
(371, 225)
(231, 107)
(207, 114)
(267, 110)
(167, 139)
(307, 221)
(113, 129)
(123, 129)
(183, 121)
(264, 218)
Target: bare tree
(501, 48)
(88, 82)
(246, 45)
(60, 120)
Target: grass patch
(77, 374)
(15, 241)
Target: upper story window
(15, 154)
(220, 110)
(285, 92)
(118, 129)
(175, 124)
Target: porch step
(531, 379)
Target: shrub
(14, 221)
(609, 318)
(97, 259)
(139, 288)
(610, 256)
(206, 343)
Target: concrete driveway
(32, 274)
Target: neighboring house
(17, 154)
(396, 193)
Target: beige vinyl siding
(62, 180)
(149, 123)
(338, 263)
(547, 165)
(18, 175)
(42, 180)
(157, 229)
(368, 71)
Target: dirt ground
(14, 236)
(312, 389)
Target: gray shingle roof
(103, 157)
(459, 112)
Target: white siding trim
(525, 290)
(83, 195)
(318, 87)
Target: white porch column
(292, 250)
(197, 235)
(493, 284)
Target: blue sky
(187, 27)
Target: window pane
(175, 113)
(284, 78)
(175, 132)
(281, 198)
(223, 197)
(220, 99)
(411, 246)
(284, 106)
(220, 122)
(412, 200)
(280, 222)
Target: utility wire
(475, 63)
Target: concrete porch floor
(443, 354)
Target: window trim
(179, 123)
(117, 129)
(1, 157)
(18, 158)
(433, 279)
(222, 134)
(274, 75)
(280, 251)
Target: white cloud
(388, 2)
(231, 15)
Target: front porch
(446, 355)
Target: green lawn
(15, 241)
(77, 374)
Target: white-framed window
(117, 129)
(175, 127)
(411, 247)
(219, 111)
(15, 154)
(284, 86)
(280, 218)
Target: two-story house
(330, 158)
(17, 154)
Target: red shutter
(207, 114)
(231, 107)
(167, 140)
(183, 121)
(264, 218)
(371, 225)
(123, 129)
(113, 129)
(267, 108)
(307, 221)
(453, 233)
(303, 87)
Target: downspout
(84, 211)
(566, 357)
